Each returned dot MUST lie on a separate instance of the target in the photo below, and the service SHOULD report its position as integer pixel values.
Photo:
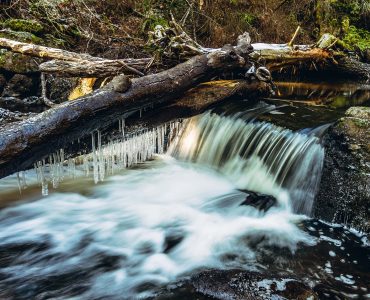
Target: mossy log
(23, 143)
(67, 63)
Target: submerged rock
(344, 195)
(259, 201)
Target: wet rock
(344, 195)
(260, 201)
(19, 86)
(26, 105)
(172, 240)
(238, 285)
(58, 89)
(2, 83)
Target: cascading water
(141, 230)
(256, 156)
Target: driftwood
(23, 143)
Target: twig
(294, 36)
(43, 92)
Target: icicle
(105, 159)
(95, 159)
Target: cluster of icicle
(104, 159)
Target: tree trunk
(23, 143)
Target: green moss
(20, 36)
(24, 25)
(2, 56)
(17, 63)
(347, 8)
(362, 123)
(152, 21)
(52, 41)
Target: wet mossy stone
(18, 63)
(31, 26)
(21, 36)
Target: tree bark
(25, 142)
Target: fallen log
(280, 56)
(276, 57)
(68, 63)
(23, 143)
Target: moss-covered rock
(344, 195)
(21, 36)
(31, 26)
(18, 63)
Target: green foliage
(249, 18)
(357, 37)
(150, 22)
(347, 9)
(24, 25)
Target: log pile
(25, 142)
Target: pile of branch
(25, 142)
(175, 43)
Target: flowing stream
(142, 228)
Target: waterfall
(256, 156)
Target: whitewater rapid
(152, 224)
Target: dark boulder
(344, 194)
(2, 83)
(238, 285)
(20, 86)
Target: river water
(111, 226)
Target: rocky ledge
(344, 195)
